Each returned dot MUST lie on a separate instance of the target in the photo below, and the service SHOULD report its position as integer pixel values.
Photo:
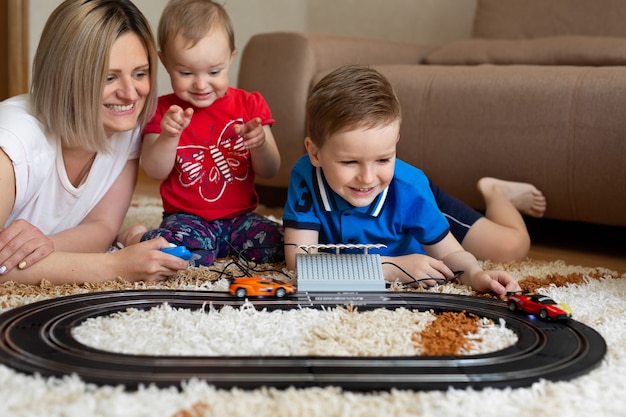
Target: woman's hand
(145, 262)
(22, 245)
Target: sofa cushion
(557, 50)
(560, 127)
(518, 19)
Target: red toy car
(539, 304)
(259, 286)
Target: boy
(350, 188)
(208, 141)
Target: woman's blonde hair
(350, 97)
(193, 19)
(71, 66)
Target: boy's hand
(497, 282)
(416, 267)
(252, 132)
(175, 120)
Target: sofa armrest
(282, 66)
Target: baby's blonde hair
(193, 20)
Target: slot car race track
(37, 338)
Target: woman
(69, 151)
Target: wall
(422, 21)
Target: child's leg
(524, 197)
(501, 235)
(258, 238)
(132, 234)
(193, 232)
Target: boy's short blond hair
(193, 20)
(71, 66)
(350, 97)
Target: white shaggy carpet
(165, 330)
(597, 297)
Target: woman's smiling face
(127, 84)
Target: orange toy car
(259, 287)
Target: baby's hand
(252, 132)
(175, 120)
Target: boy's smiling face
(358, 164)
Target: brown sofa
(537, 94)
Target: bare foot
(131, 235)
(524, 196)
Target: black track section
(36, 338)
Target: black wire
(440, 281)
(303, 249)
(246, 266)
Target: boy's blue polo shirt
(403, 216)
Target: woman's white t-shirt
(44, 195)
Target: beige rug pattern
(596, 295)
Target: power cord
(247, 267)
(440, 281)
